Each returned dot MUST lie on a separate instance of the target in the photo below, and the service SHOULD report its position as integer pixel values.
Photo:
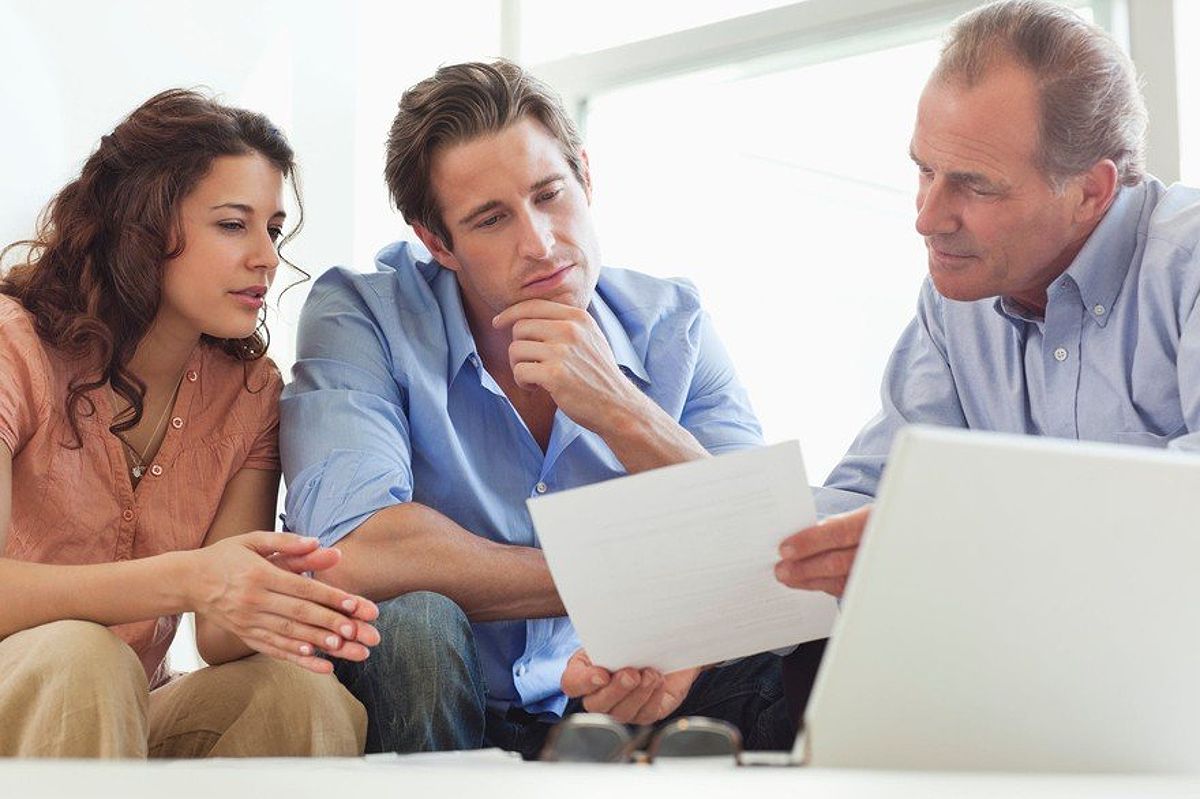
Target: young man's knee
(425, 628)
(422, 686)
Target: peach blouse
(79, 506)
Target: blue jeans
(422, 685)
(423, 689)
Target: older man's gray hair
(1091, 106)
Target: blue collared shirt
(390, 403)
(1116, 357)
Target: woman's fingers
(267, 543)
(282, 582)
(276, 646)
(313, 619)
(316, 561)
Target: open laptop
(1021, 604)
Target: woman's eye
(232, 225)
(275, 233)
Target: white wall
(330, 74)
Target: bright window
(787, 197)
(1187, 67)
(553, 29)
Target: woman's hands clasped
(252, 586)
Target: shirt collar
(461, 342)
(624, 353)
(1099, 269)
(444, 287)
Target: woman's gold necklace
(139, 458)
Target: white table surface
(452, 776)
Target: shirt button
(541, 488)
(156, 470)
(1060, 355)
(192, 375)
(177, 423)
(127, 515)
(1098, 310)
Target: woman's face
(231, 222)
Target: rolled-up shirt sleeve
(918, 387)
(344, 435)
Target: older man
(434, 396)
(1063, 280)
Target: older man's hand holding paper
(669, 570)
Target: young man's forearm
(411, 547)
(646, 437)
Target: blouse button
(156, 470)
(177, 423)
(192, 375)
(127, 515)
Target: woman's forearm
(32, 594)
(218, 646)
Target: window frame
(822, 30)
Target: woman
(139, 463)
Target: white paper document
(675, 567)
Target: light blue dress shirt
(390, 402)
(1116, 358)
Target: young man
(434, 396)
(1063, 280)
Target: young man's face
(519, 220)
(993, 223)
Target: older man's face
(993, 223)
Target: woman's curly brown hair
(92, 274)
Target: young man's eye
(491, 221)
(548, 195)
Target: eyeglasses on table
(597, 738)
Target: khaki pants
(73, 689)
